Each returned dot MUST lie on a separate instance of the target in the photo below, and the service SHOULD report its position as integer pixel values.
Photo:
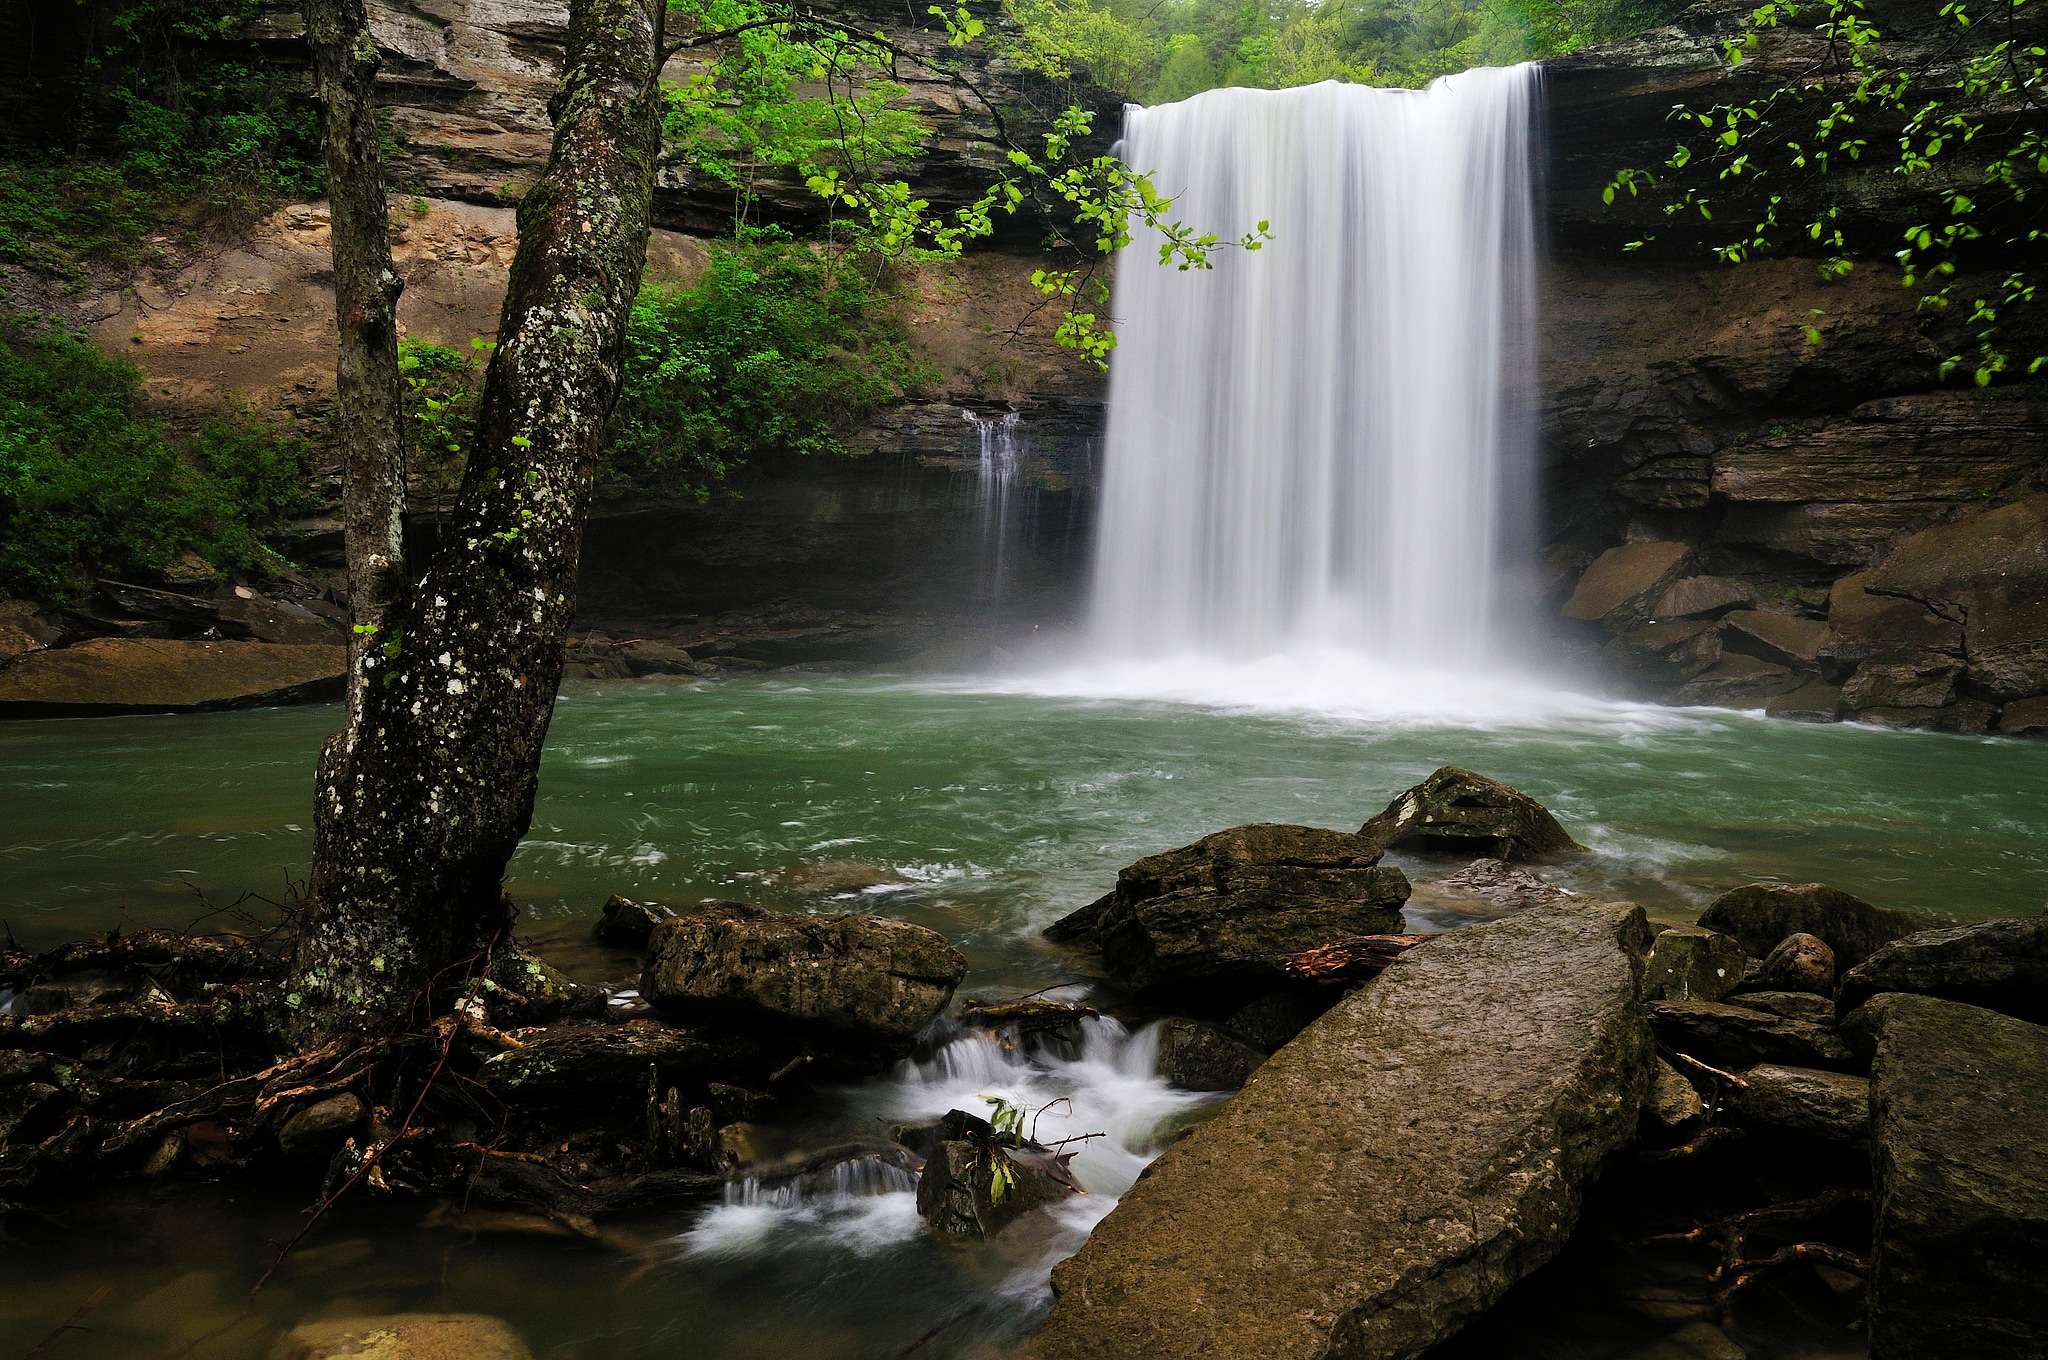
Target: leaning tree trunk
(366, 290)
(421, 802)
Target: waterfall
(995, 483)
(1327, 442)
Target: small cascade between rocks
(1327, 442)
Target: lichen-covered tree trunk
(366, 290)
(421, 802)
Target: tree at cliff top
(1941, 109)
(426, 790)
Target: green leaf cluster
(1945, 104)
(88, 487)
(781, 348)
(1156, 51)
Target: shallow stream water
(984, 810)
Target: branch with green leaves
(744, 111)
(1951, 113)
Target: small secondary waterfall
(1326, 442)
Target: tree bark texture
(421, 803)
(366, 289)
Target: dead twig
(1353, 956)
(74, 1323)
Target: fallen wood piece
(1353, 956)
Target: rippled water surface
(984, 811)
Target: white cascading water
(1326, 443)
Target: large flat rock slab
(128, 675)
(1390, 1173)
(1959, 1153)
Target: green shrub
(89, 488)
(779, 349)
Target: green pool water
(984, 810)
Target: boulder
(956, 1192)
(1460, 811)
(1737, 681)
(1691, 963)
(1959, 1157)
(864, 979)
(1622, 588)
(1814, 701)
(1271, 1021)
(1782, 639)
(1903, 680)
(626, 924)
(1762, 914)
(267, 620)
(1733, 1037)
(521, 990)
(123, 675)
(1704, 597)
(1387, 1176)
(1804, 1103)
(1199, 1057)
(1493, 883)
(1819, 1010)
(1672, 1102)
(1999, 965)
(1233, 907)
(318, 1129)
(1800, 963)
(1665, 653)
(644, 658)
(2025, 718)
(1991, 572)
(1862, 626)
(403, 1336)
(1971, 717)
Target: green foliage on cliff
(1944, 105)
(1157, 52)
(779, 349)
(90, 488)
(147, 113)
(771, 101)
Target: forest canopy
(1156, 51)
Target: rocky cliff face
(468, 81)
(1683, 403)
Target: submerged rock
(319, 1128)
(1999, 965)
(403, 1336)
(1459, 1172)
(1458, 810)
(1805, 1103)
(1232, 908)
(865, 980)
(1762, 914)
(1959, 1115)
(1199, 1057)
(1494, 883)
(1731, 1037)
(1690, 963)
(627, 924)
(1800, 963)
(957, 1194)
